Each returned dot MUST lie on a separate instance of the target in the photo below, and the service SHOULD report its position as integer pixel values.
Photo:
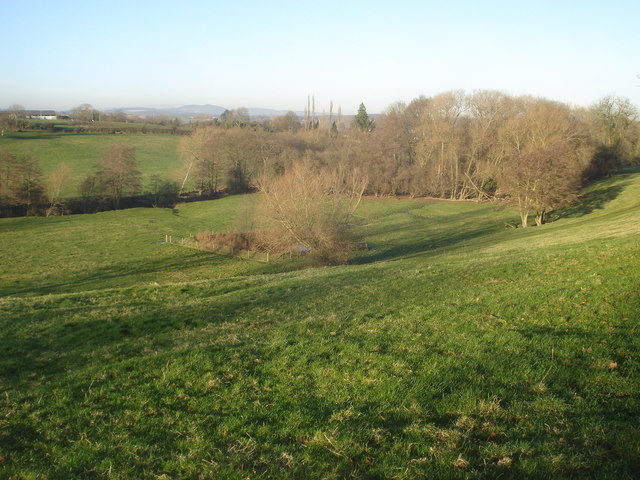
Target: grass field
(455, 347)
(155, 154)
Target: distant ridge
(185, 112)
(191, 111)
(213, 110)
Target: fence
(264, 257)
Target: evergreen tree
(362, 120)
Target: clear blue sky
(272, 54)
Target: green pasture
(118, 248)
(455, 347)
(156, 154)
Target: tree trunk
(540, 218)
(524, 216)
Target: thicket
(311, 208)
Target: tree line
(533, 153)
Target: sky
(273, 54)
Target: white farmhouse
(41, 114)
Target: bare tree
(235, 118)
(439, 142)
(488, 111)
(21, 181)
(614, 121)
(312, 209)
(331, 123)
(58, 180)
(545, 166)
(84, 113)
(288, 122)
(13, 118)
(117, 173)
(31, 190)
(307, 113)
(8, 178)
(245, 153)
(202, 158)
(539, 181)
(615, 116)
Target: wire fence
(264, 257)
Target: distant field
(455, 347)
(156, 154)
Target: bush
(312, 209)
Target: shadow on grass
(591, 201)
(284, 370)
(148, 271)
(424, 235)
(18, 224)
(45, 135)
(68, 332)
(104, 277)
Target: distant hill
(268, 112)
(191, 111)
(213, 110)
(184, 112)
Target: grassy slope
(454, 348)
(116, 249)
(156, 154)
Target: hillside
(156, 154)
(455, 347)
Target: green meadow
(156, 154)
(454, 347)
